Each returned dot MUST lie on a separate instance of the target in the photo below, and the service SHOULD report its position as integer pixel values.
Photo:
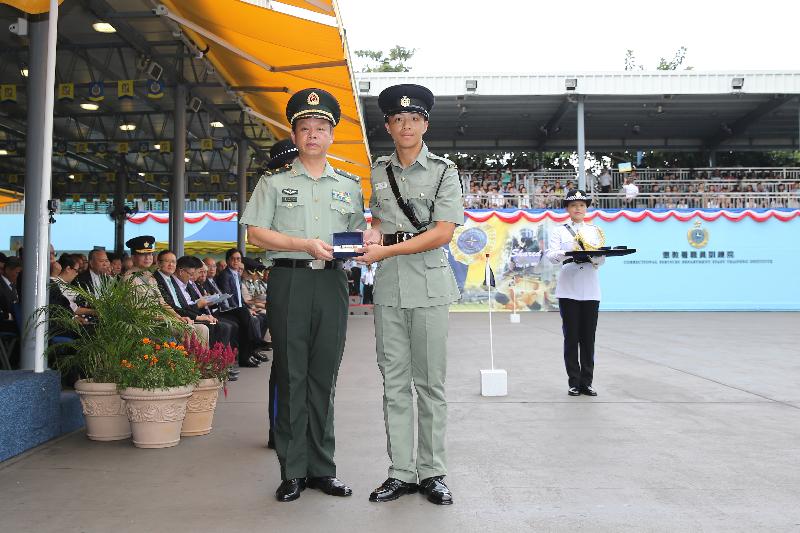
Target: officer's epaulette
(271, 172)
(347, 175)
(444, 160)
(381, 159)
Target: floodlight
(737, 83)
(571, 83)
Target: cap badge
(313, 99)
(405, 101)
(578, 194)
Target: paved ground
(697, 428)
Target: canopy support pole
(581, 147)
(178, 191)
(38, 180)
(241, 200)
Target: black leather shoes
(391, 489)
(588, 391)
(261, 357)
(329, 485)
(573, 391)
(436, 491)
(290, 489)
(251, 362)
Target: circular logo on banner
(697, 236)
(471, 242)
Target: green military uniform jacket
(424, 279)
(291, 202)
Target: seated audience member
(142, 249)
(127, 263)
(8, 297)
(96, 274)
(171, 279)
(115, 264)
(229, 282)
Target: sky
(533, 37)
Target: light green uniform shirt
(424, 279)
(291, 202)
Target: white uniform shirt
(576, 281)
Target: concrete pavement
(696, 428)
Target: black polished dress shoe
(391, 489)
(588, 391)
(233, 370)
(251, 362)
(573, 391)
(233, 377)
(329, 485)
(290, 489)
(436, 491)
(261, 356)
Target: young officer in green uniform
(293, 213)
(416, 205)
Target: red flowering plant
(212, 363)
(158, 365)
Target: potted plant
(213, 364)
(95, 344)
(156, 381)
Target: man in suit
(8, 295)
(98, 271)
(229, 281)
(173, 294)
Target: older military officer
(293, 213)
(142, 249)
(416, 205)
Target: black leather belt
(313, 264)
(400, 236)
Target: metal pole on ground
(38, 161)
(241, 200)
(178, 190)
(581, 147)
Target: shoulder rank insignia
(347, 175)
(444, 160)
(381, 159)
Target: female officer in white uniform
(578, 290)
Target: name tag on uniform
(289, 199)
(289, 191)
(341, 196)
(381, 185)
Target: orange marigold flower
(158, 347)
(181, 348)
(165, 345)
(146, 357)
(145, 341)
(173, 344)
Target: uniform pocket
(289, 216)
(437, 273)
(341, 212)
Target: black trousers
(243, 340)
(308, 323)
(367, 294)
(579, 323)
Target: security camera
(19, 28)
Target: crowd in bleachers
(663, 189)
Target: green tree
(394, 61)
(663, 63)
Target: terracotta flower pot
(200, 409)
(156, 415)
(103, 410)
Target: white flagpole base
(514, 318)
(494, 382)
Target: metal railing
(705, 200)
